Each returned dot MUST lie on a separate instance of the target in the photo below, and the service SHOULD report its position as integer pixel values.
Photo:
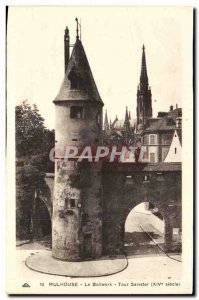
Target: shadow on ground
(139, 243)
(35, 244)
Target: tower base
(43, 262)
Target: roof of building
(120, 123)
(137, 167)
(146, 167)
(79, 65)
(167, 123)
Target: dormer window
(75, 80)
(169, 122)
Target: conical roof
(78, 70)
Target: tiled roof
(78, 62)
(161, 124)
(138, 167)
(146, 167)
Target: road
(145, 260)
(137, 241)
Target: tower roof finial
(77, 29)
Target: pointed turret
(129, 115)
(78, 83)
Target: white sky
(112, 39)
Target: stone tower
(77, 208)
(144, 106)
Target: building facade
(158, 134)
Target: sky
(112, 38)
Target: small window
(159, 176)
(85, 217)
(87, 236)
(146, 139)
(70, 203)
(146, 178)
(152, 157)
(169, 122)
(129, 179)
(76, 112)
(175, 150)
(152, 139)
(176, 230)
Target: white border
(2, 92)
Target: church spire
(106, 123)
(144, 102)
(126, 116)
(143, 75)
(126, 121)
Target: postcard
(99, 150)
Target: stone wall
(124, 186)
(77, 211)
(148, 183)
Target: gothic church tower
(144, 106)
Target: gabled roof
(79, 65)
(175, 149)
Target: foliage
(33, 143)
(31, 134)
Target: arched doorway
(41, 220)
(144, 230)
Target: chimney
(171, 107)
(176, 106)
(66, 47)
